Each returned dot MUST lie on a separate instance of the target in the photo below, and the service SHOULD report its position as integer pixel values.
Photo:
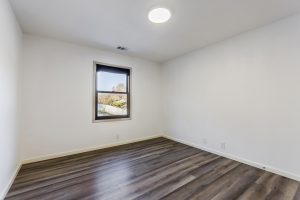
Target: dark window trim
(115, 69)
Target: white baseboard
(239, 159)
(11, 180)
(67, 153)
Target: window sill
(110, 120)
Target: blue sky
(106, 80)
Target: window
(112, 92)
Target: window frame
(95, 94)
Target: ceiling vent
(121, 48)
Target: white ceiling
(106, 24)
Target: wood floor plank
(264, 186)
(286, 190)
(188, 190)
(77, 167)
(174, 182)
(109, 152)
(212, 189)
(111, 175)
(136, 171)
(159, 177)
(153, 169)
(239, 185)
(297, 195)
(100, 157)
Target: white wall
(244, 91)
(10, 49)
(57, 98)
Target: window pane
(111, 104)
(111, 82)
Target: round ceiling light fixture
(159, 15)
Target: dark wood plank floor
(153, 169)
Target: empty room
(149, 99)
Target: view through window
(112, 94)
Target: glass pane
(111, 104)
(111, 82)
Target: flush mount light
(159, 15)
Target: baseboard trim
(238, 159)
(11, 180)
(83, 150)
